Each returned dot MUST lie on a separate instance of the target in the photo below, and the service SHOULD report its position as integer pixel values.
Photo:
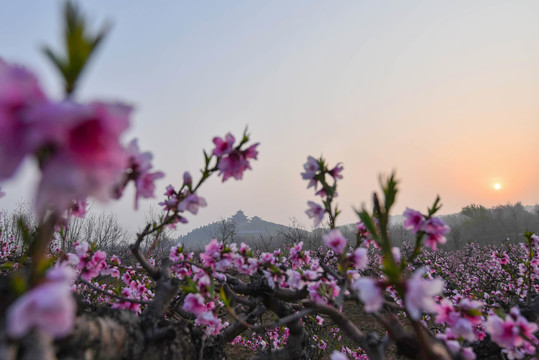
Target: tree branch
(109, 294)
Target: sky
(446, 94)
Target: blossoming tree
(90, 304)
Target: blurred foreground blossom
(87, 158)
(433, 227)
(138, 170)
(513, 332)
(335, 241)
(315, 211)
(49, 307)
(420, 294)
(370, 292)
(19, 92)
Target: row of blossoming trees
(90, 304)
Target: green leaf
(223, 297)
(18, 284)
(27, 236)
(390, 190)
(44, 265)
(190, 287)
(366, 218)
(7, 266)
(79, 45)
(435, 207)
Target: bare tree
(158, 244)
(265, 242)
(294, 233)
(224, 230)
(14, 224)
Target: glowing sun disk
(497, 186)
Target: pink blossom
(251, 152)
(175, 253)
(211, 254)
(463, 329)
(370, 293)
(310, 167)
(139, 170)
(337, 355)
(315, 211)
(170, 204)
(503, 333)
(88, 158)
(49, 307)
(19, 92)
(359, 258)
(513, 332)
(294, 279)
(129, 293)
(335, 241)
(471, 310)
(468, 353)
(61, 274)
(223, 147)
(93, 267)
(446, 313)
(435, 229)
(419, 294)
(269, 278)
(267, 258)
(502, 259)
(413, 220)
(246, 266)
(81, 248)
(187, 179)
(396, 252)
(211, 322)
(191, 203)
(203, 282)
(336, 171)
(236, 162)
(111, 271)
(322, 290)
(361, 229)
(194, 303)
(78, 209)
(170, 191)
(297, 256)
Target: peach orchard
(65, 301)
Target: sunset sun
(497, 186)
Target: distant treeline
(474, 223)
(478, 224)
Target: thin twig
(285, 320)
(109, 294)
(135, 249)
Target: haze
(445, 93)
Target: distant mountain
(256, 231)
(237, 228)
(474, 223)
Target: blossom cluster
(315, 172)
(49, 307)
(433, 227)
(515, 334)
(76, 145)
(233, 161)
